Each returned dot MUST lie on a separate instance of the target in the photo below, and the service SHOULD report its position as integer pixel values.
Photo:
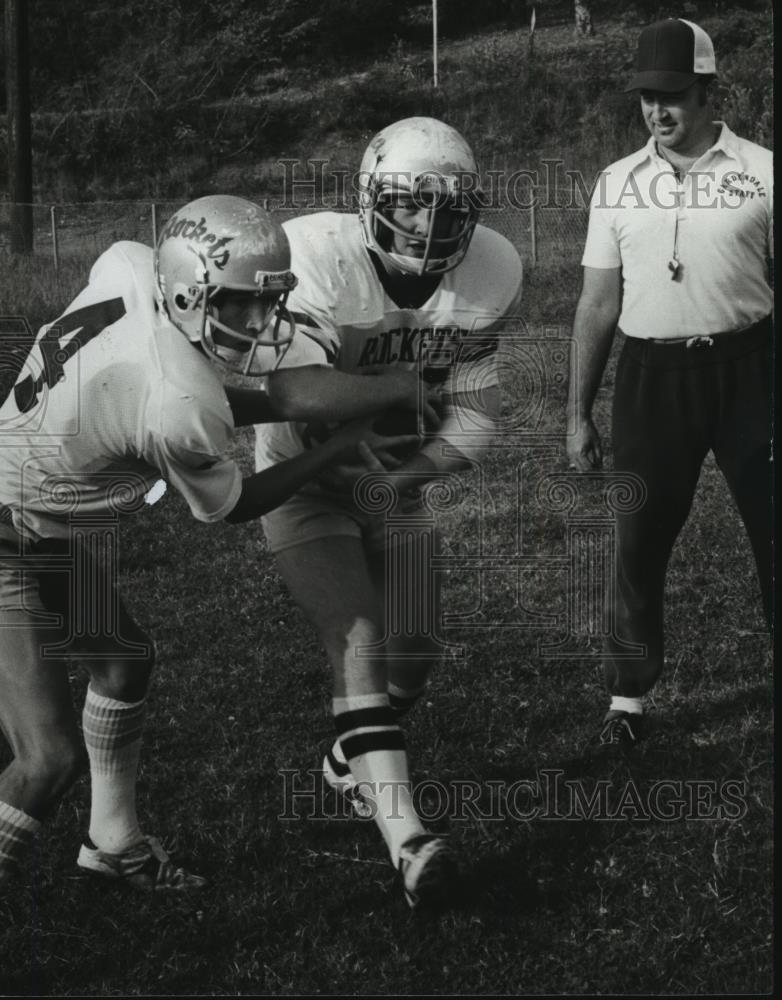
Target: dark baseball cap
(672, 55)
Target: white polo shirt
(717, 221)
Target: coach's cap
(672, 54)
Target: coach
(678, 257)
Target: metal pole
(434, 42)
(154, 224)
(532, 21)
(19, 142)
(533, 222)
(54, 238)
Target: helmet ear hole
(181, 301)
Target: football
(394, 422)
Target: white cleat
(145, 866)
(428, 869)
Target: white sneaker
(337, 776)
(144, 866)
(428, 869)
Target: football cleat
(337, 776)
(428, 869)
(145, 866)
(621, 731)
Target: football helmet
(425, 160)
(216, 245)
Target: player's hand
(346, 439)
(584, 450)
(342, 478)
(378, 464)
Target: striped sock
(632, 705)
(112, 733)
(401, 701)
(17, 830)
(374, 748)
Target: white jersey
(345, 317)
(111, 399)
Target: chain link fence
(547, 225)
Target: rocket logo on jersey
(439, 346)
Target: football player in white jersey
(412, 283)
(116, 393)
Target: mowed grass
(310, 905)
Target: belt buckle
(700, 342)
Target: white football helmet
(217, 244)
(428, 161)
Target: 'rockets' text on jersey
(345, 317)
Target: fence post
(53, 214)
(533, 222)
(154, 224)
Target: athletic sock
(632, 705)
(17, 830)
(339, 764)
(374, 748)
(401, 701)
(112, 733)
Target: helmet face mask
(421, 168)
(214, 254)
(236, 348)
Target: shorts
(306, 517)
(60, 588)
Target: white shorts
(308, 516)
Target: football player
(116, 393)
(412, 283)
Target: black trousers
(672, 405)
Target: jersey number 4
(88, 323)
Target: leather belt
(708, 340)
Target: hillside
(156, 119)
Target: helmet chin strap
(418, 266)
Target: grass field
(552, 903)
(646, 876)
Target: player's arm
(320, 393)
(250, 406)
(267, 489)
(594, 325)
